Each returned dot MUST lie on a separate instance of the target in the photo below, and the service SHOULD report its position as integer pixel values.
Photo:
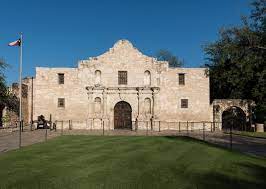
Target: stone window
(147, 104)
(98, 77)
(147, 78)
(97, 105)
(61, 103)
(122, 77)
(184, 103)
(181, 79)
(61, 78)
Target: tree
(7, 99)
(236, 62)
(165, 55)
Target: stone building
(11, 118)
(122, 88)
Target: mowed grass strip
(129, 162)
(252, 134)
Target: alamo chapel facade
(122, 88)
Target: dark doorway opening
(234, 117)
(122, 115)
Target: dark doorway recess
(122, 115)
(234, 117)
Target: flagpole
(20, 90)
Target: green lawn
(129, 162)
(252, 134)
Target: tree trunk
(1, 116)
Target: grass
(252, 134)
(129, 162)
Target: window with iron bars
(122, 77)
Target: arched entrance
(122, 115)
(234, 117)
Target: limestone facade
(91, 91)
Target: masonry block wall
(92, 90)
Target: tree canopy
(3, 87)
(7, 99)
(236, 62)
(165, 55)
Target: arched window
(147, 105)
(97, 105)
(97, 77)
(147, 78)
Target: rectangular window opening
(61, 78)
(181, 78)
(122, 77)
(184, 103)
(61, 102)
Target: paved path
(9, 140)
(249, 145)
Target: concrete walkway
(248, 145)
(9, 140)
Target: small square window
(181, 79)
(61, 78)
(61, 102)
(122, 77)
(184, 103)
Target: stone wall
(98, 77)
(12, 117)
(221, 105)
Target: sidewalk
(9, 140)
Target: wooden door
(122, 116)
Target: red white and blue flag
(15, 43)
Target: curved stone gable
(123, 52)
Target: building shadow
(253, 179)
(247, 175)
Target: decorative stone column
(141, 104)
(153, 103)
(104, 103)
(90, 105)
(138, 93)
(105, 120)
(155, 109)
(137, 118)
(90, 102)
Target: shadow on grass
(222, 181)
(212, 180)
(251, 175)
(195, 140)
(246, 135)
(218, 144)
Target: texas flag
(15, 43)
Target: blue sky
(58, 33)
